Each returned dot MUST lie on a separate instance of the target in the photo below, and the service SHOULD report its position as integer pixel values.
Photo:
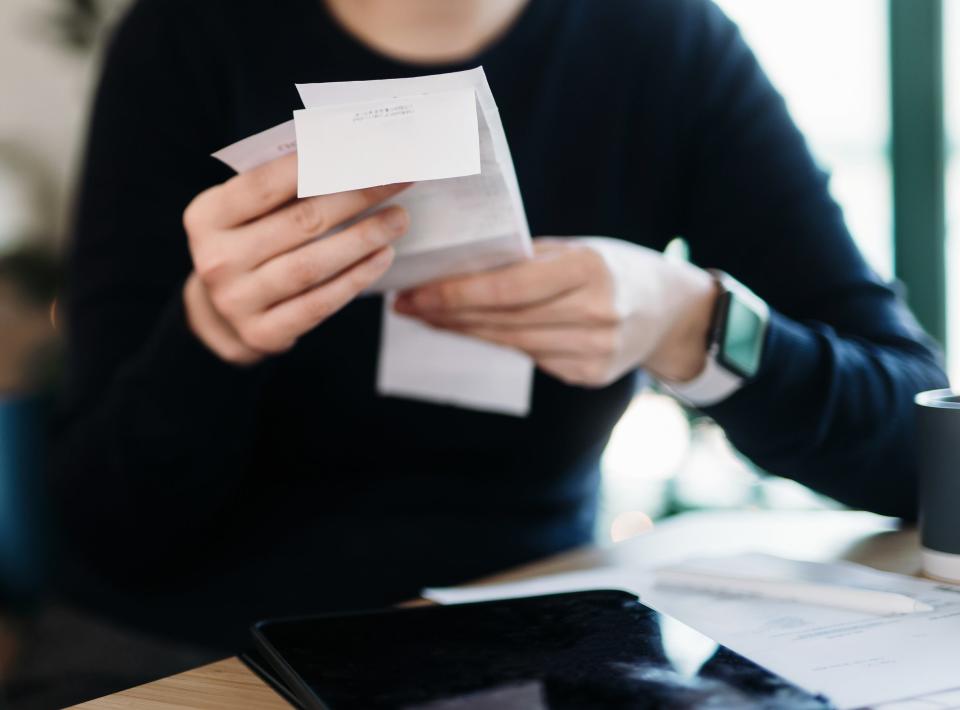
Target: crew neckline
(524, 28)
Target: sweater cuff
(792, 359)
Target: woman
(224, 455)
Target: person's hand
(261, 276)
(586, 310)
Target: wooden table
(821, 536)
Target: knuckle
(382, 192)
(226, 301)
(359, 279)
(452, 295)
(592, 371)
(301, 272)
(524, 340)
(194, 213)
(500, 292)
(371, 234)
(601, 311)
(446, 296)
(309, 216)
(604, 342)
(258, 186)
(210, 267)
(590, 270)
(377, 194)
(567, 375)
(237, 354)
(258, 335)
(590, 262)
(600, 373)
(317, 310)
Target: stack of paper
(854, 658)
(442, 132)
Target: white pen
(852, 598)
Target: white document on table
(853, 658)
(442, 132)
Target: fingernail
(396, 220)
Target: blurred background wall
(44, 83)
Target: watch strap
(713, 385)
(716, 382)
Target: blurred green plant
(35, 273)
(79, 23)
(30, 357)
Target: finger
(279, 327)
(518, 285)
(309, 266)
(304, 220)
(577, 371)
(575, 308)
(245, 196)
(215, 331)
(546, 245)
(600, 343)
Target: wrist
(682, 353)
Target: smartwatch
(735, 344)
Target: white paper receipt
(407, 138)
(443, 133)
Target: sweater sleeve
(832, 406)
(153, 428)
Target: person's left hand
(586, 310)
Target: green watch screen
(742, 339)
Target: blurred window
(830, 60)
(951, 47)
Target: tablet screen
(599, 649)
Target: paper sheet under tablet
(856, 659)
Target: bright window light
(830, 60)
(951, 47)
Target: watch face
(742, 341)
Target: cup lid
(939, 399)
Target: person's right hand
(261, 277)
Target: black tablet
(598, 649)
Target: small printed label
(395, 111)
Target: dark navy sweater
(198, 496)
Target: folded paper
(442, 132)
